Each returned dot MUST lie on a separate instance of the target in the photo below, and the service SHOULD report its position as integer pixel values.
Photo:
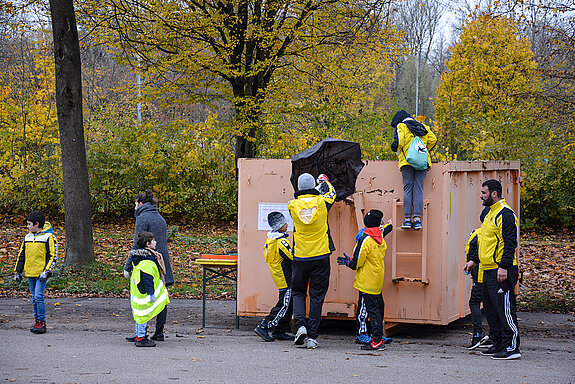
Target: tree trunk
(78, 215)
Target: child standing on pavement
(278, 255)
(367, 261)
(148, 294)
(36, 260)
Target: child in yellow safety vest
(148, 294)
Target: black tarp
(340, 160)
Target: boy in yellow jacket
(367, 261)
(278, 254)
(36, 259)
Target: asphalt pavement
(85, 344)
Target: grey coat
(148, 218)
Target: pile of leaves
(546, 262)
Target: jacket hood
(47, 228)
(312, 191)
(415, 127)
(146, 207)
(140, 254)
(374, 233)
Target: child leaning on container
(367, 261)
(148, 294)
(36, 259)
(279, 255)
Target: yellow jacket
(278, 255)
(367, 260)
(38, 252)
(311, 232)
(498, 238)
(403, 137)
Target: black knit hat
(399, 117)
(373, 218)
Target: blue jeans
(141, 329)
(37, 290)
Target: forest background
(174, 92)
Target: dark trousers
(315, 274)
(500, 307)
(369, 315)
(413, 181)
(280, 315)
(475, 307)
(161, 319)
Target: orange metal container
(424, 279)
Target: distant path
(85, 344)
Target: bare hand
(469, 266)
(501, 275)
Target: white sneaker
(300, 335)
(311, 343)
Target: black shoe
(282, 336)
(491, 351)
(131, 339)
(477, 341)
(145, 343)
(39, 327)
(158, 336)
(263, 333)
(507, 355)
(488, 344)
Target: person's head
(491, 192)
(146, 239)
(305, 181)
(373, 218)
(399, 117)
(145, 197)
(35, 221)
(277, 222)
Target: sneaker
(144, 342)
(363, 339)
(476, 341)
(311, 343)
(488, 344)
(282, 336)
(39, 327)
(35, 323)
(507, 355)
(131, 339)
(373, 346)
(263, 333)
(406, 224)
(300, 335)
(158, 335)
(491, 351)
(416, 224)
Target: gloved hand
(344, 260)
(322, 177)
(126, 274)
(17, 277)
(43, 276)
(359, 234)
(152, 298)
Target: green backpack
(417, 155)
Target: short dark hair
(37, 217)
(144, 238)
(146, 197)
(493, 185)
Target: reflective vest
(143, 308)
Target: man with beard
(498, 261)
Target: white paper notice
(264, 209)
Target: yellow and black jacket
(498, 238)
(312, 240)
(38, 252)
(405, 133)
(472, 254)
(368, 262)
(279, 255)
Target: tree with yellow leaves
(484, 105)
